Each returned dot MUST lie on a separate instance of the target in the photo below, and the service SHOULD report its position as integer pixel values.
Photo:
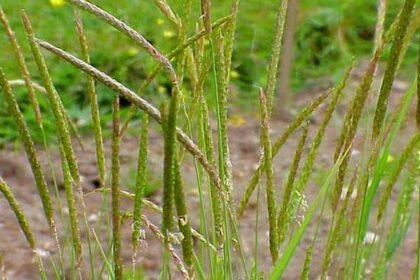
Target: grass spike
(418, 85)
(270, 189)
(183, 220)
(206, 15)
(230, 30)
(59, 116)
(275, 56)
(30, 151)
(131, 33)
(215, 196)
(351, 122)
(391, 66)
(94, 110)
(289, 188)
(141, 179)
(278, 144)
(17, 209)
(168, 173)
(168, 12)
(23, 67)
(115, 186)
(222, 118)
(71, 204)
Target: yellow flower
(57, 3)
(168, 34)
(132, 51)
(234, 74)
(161, 89)
(160, 21)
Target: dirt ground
(16, 257)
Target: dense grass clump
(198, 74)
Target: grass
(207, 47)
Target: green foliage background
(328, 35)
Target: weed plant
(352, 194)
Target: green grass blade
(377, 174)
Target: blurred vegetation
(328, 35)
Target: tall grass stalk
(418, 85)
(94, 110)
(216, 201)
(30, 152)
(183, 221)
(168, 188)
(379, 29)
(168, 12)
(71, 204)
(22, 66)
(284, 212)
(391, 66)
(270, 187)
(17, 209)
(351, 123)
(23, 224)
(132, 34)
(141, 181)
(217, 46)
(206, 15)
(54, 99)
(115, 186)
(229, 35)
(225, 165)
(275, 56)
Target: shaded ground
(17, 260)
